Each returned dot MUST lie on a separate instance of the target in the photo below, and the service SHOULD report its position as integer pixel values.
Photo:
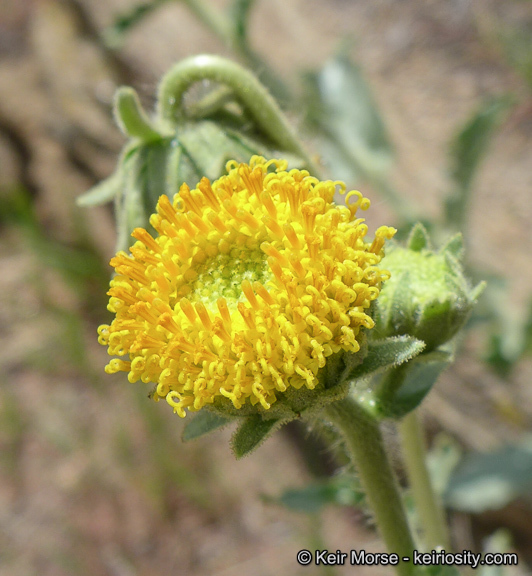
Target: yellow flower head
(252, 282)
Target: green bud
(428, 296)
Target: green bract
(427, 296)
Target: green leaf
(239, 16)
(342, 106)
(454, 246)
(492, 480)
(129, 203)
(210, 144)
(253, 431)
(103, 192)
(153, 166)
(386, 353)
(510, 330)
(467, 150)
(114, 36)
(131, 117)
(517, 45)
(418, 238)
(420, 376)
(442, 460)
(310, 499)
(477, 291)
(203, 423)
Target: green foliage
(467, 150)
(353, 142)
(428, 295)
(442, 460)
(403, 389)
(341, 106)
(239, 13)
(253, 431)
(203, 423)
(517, 46)
(511, 330)
(342, 490)
(491, 480)
(384, 354)
(418, 239)
(163, 154)
(131, 118)
(115, 35)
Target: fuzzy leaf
(341, 105)
(418, 238)
(490, 481)
(455, 247)
(253, 431)
(203, 423)
(310, 499)
(442, 459)
(383, 354)
(239, 14)
(467, 151)
(131, 117)
(477, 291)
(422, 373)
(103, 192)
(115, 35)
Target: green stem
(364, 440)
(247, 88)
(426, 501)
(224, 27)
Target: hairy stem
(364, 441)
(224, 27)
(251, 93)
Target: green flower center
(222, 277)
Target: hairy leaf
(253, 431)
(386, 353)
(491, 480)
(203, 423)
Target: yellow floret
(252, 282)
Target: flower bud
(427, 296)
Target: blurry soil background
(94, 478)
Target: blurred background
(426, 106)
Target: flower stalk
(364, 441)
(247, 88)
(427, 504)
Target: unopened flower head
(428, 296)
(253, 281)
